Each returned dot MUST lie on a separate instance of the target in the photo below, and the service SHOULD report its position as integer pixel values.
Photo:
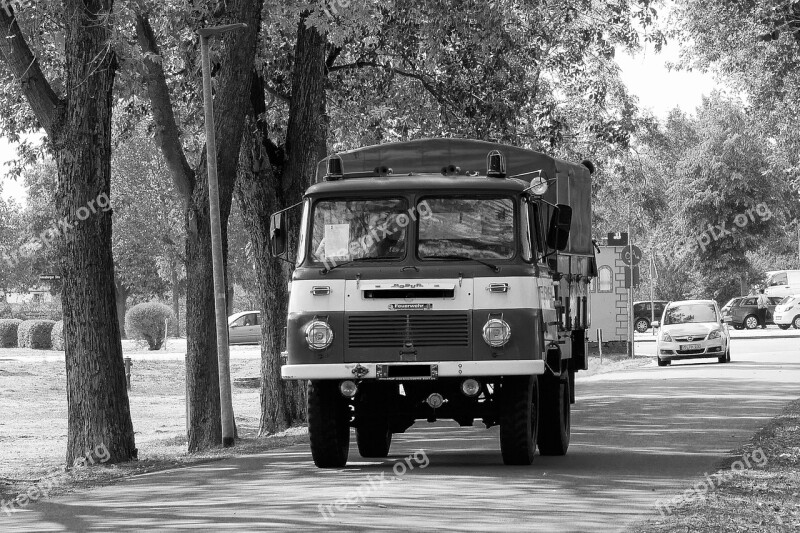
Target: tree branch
(166, 133)
(14, 49)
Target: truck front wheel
(374, 439)
(519, 419)
(328, 424)
(554, 415)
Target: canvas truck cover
(572, 184)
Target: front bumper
(445, 369)
(669, 351)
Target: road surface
(638, 436)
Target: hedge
(57, 336)
(8, 332)
(35, 334)
(146, 321)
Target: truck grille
(397, 330)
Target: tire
(374, 440)
(641, 325)
(726, 357)
(728, 354)
(554, 415)
(663, 362)
(328, 424)
(796, 322)
(751, 322)
(784, 326)
(519, 419)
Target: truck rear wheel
(519, 419)
(554, 415)
(374, 439)
(328, 424)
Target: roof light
(495, 165)
(335, 169)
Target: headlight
(319, 335)
(496, 332)
(714, 334)
(789, 308)
(665, 337)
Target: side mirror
(655, 324)
(278, 234)
(560, 224)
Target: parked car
(642, 313)
(783, 283)
(744, 314)
(787, 312)
(692, 329)
(244, 328)
(726, 309)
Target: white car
(692, 329)
(787, 312)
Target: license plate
(778, 317)
(690, 346)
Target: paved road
(638, 436)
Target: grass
(762, 498)
(33, 425)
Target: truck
(438, 279)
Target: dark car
(744, 313)
(642, 313)
(726, 309)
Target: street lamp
(220, 307)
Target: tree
(77, 120)
(234, 57)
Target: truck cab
(439, 279)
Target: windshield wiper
(495, 268)
(377, 258)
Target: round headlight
(348, 388)
(715, 334)
(665, 337)
(496, 332)
(538, 185)
(470, 387)
(319, 335)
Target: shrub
(146, 321)
(8, 332)
(57, 336)
(35, 334)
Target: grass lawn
(33, 425)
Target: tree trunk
(98, 415)
(122, 300)
(271, 179)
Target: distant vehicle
(642, 313)
(787, 312)
(726, 309)
(244, 328)
(744, 313)
(783, 283)
(692, 329)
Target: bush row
(37, 334)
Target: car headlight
(665, 337)
(496, 332)
(787, 309)
(319, 335)
(715, 334)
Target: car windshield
(789, 299)
(344, 230)
(470, 227)
(690, 313)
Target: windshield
(690, 313)
(477, 228)
(344, 230)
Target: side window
(779, 279)
(239, 321)
(536, 228)
(527, 232)
(749, 301)
(254, 319)
(605, 279)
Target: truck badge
(410, 307)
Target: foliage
(8, 332)
(57, 336)
(147, 321)
(35, 334)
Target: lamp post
(220, 308)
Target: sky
(646, 76)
